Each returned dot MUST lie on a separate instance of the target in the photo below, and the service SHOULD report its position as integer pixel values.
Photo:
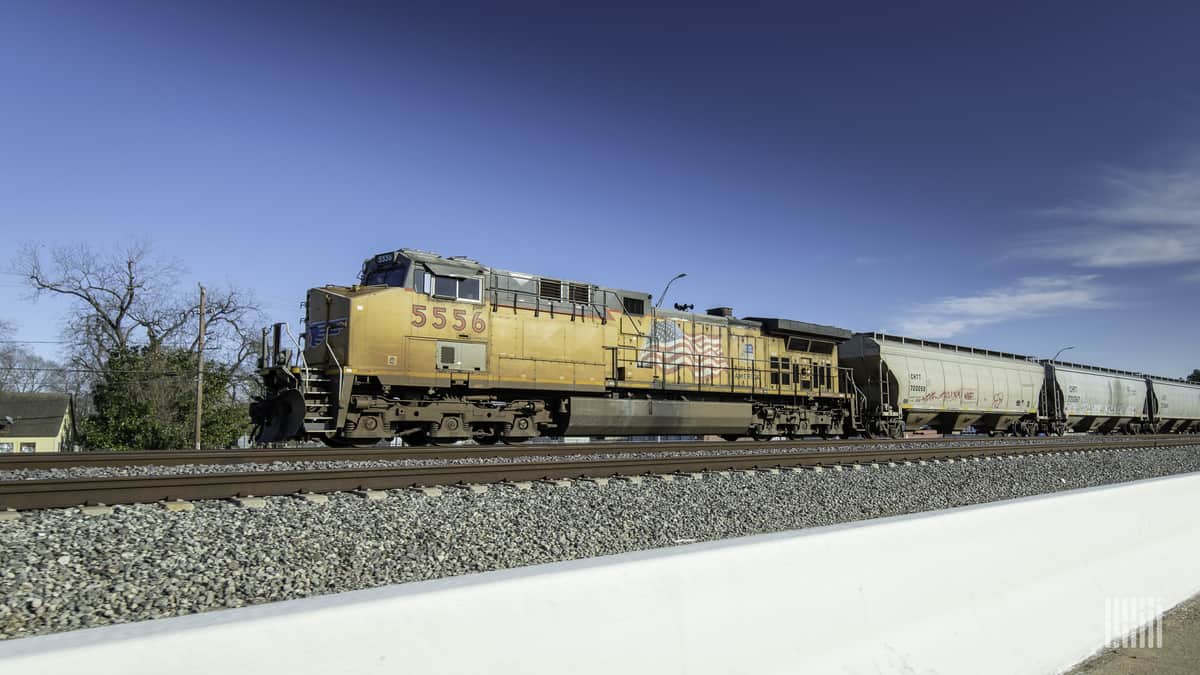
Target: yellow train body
(401, 337)
(450, 338)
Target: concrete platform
(1019, 586)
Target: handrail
(300, 360)
(341, 372)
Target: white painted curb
(1014, 587)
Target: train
(440, 350)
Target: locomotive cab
(386, 269)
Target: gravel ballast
(62, 570)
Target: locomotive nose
(279, 418)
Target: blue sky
(1015, 177)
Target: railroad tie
(372, 495)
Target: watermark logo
(1135, 621)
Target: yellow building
(35, 422)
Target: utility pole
(200, 371)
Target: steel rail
(267, 455)
(40, 494)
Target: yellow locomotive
(437, 349)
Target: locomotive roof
(452, 266)
(463, 266)
(790, 327)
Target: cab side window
(445, 287)
(451, 288)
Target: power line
(92, 371)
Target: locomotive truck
(439, 350)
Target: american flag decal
(669, 347)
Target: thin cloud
(1142, 218)
(1030, 297)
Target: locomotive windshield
(390, 274)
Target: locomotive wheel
(731, 437)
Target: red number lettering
(439, 317)
(478, 324)
(418, 315)
(460, 319)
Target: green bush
(145, 399)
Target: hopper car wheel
(514, 441)
(731, 437)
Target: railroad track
(268, 455)
(40, 494)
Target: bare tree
(131, 298)
(23, 371)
